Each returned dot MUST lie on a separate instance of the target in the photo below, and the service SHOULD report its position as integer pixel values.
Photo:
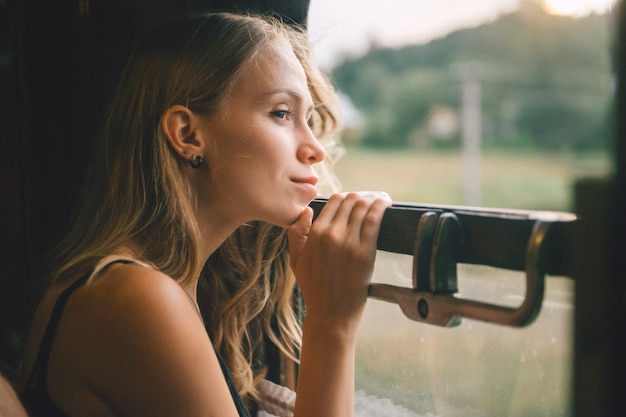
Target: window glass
(496, 103)
(406, 368)
(493, 103)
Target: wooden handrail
(440, 237)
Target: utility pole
(471, 135)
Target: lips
(308, 184)
(307, 180)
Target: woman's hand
(333, 258)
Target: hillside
(545, 82)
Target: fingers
(339, 205)
(298, 232)
(359, 213)
(334, 262)
(370, 222)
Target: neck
(216, 221)
(213, 234)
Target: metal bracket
(434, 297)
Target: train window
(494, 103)
(474, 369)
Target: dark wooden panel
(12, 243)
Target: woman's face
(261, 149)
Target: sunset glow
(575, 7)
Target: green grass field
(522, 180)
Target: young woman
(193, 223)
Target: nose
(310, 149)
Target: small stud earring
(186, 151)
(196, 161)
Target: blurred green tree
(546, 83)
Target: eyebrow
(289, 92)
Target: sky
(337, 28)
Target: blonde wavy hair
(137, 190)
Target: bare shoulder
(133, 289)
(129, 305)
(129, 298)
(135, 341)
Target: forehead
(274, 68)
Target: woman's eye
(281, 114)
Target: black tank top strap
(35, 395)
(239, 404)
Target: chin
(284, 215)
(293, 216)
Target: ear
(179, 125)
